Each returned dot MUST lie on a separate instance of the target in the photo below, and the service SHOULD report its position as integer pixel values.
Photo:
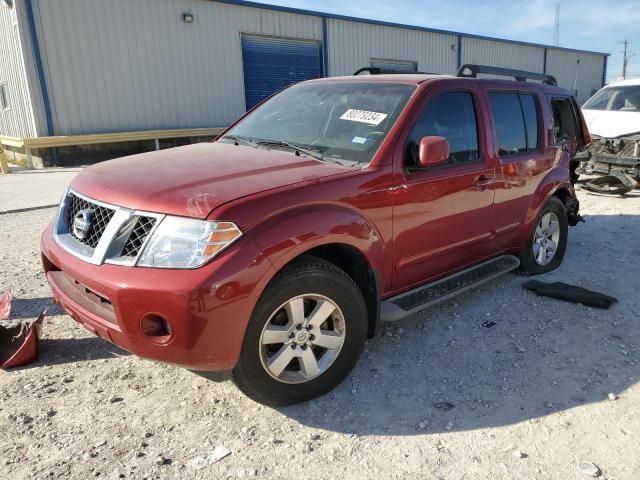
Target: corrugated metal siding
(394, 65)
(273, 63)
(123, 65)
(18, 121)
(352, 45)
(502, 54)
(135, 65)
(564, 65)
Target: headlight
(187, 243)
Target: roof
(418, 78)
(410, 78)
(625, 83)
(300, 11)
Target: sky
(597, 25)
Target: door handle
(483, 181)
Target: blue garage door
(271, 64)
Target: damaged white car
(613, 118)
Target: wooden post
(4, 166)
(27, 151)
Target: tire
(531, 258)
(315, 287)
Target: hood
(608, 124)
(192, 181)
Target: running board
(421, 298)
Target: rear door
(523, 155)
(442, 215)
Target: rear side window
(565, 124)
(450, 115)
(510, 130)
(516, 119)
(530, 119)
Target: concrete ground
(31, 189)
(496, 384)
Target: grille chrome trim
(111, 244)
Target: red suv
(274, 252)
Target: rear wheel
(547, 243)
(305, 335)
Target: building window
(394, 65)
(4, 96)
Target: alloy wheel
(302, 338)
(546, 239)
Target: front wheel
(547, 243)
(305, 335)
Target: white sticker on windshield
(363, 116)
(359, 140)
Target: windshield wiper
(298, 148)
(238, 140)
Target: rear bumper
(207, 309)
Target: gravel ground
(31, 189)
(439, 396)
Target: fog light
(156, 328)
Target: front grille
(127, 233)
(101, 216)
(138, 235)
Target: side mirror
(433, 151)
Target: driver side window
(450, 115)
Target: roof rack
(382, 71)
(472, 71)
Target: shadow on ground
(447, 371)
(61, 351)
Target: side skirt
(421, 298)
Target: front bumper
(207, 308)
(610, 156)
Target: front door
(442, 215)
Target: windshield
(337, 121)
(616, 99)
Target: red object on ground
(5, 306)
(18, 344)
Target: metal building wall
(18, 121)
(564, 66)
(122, 65)
(126, 65)
(503, 54)
(352, 45)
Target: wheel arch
(555, 184)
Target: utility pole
(625, 59)
(556, 33)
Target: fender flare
(309, 227)
(554, 181)
(287, 235)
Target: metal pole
(625, 60)
(575, 82)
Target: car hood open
(192, 181)
(610, 124)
